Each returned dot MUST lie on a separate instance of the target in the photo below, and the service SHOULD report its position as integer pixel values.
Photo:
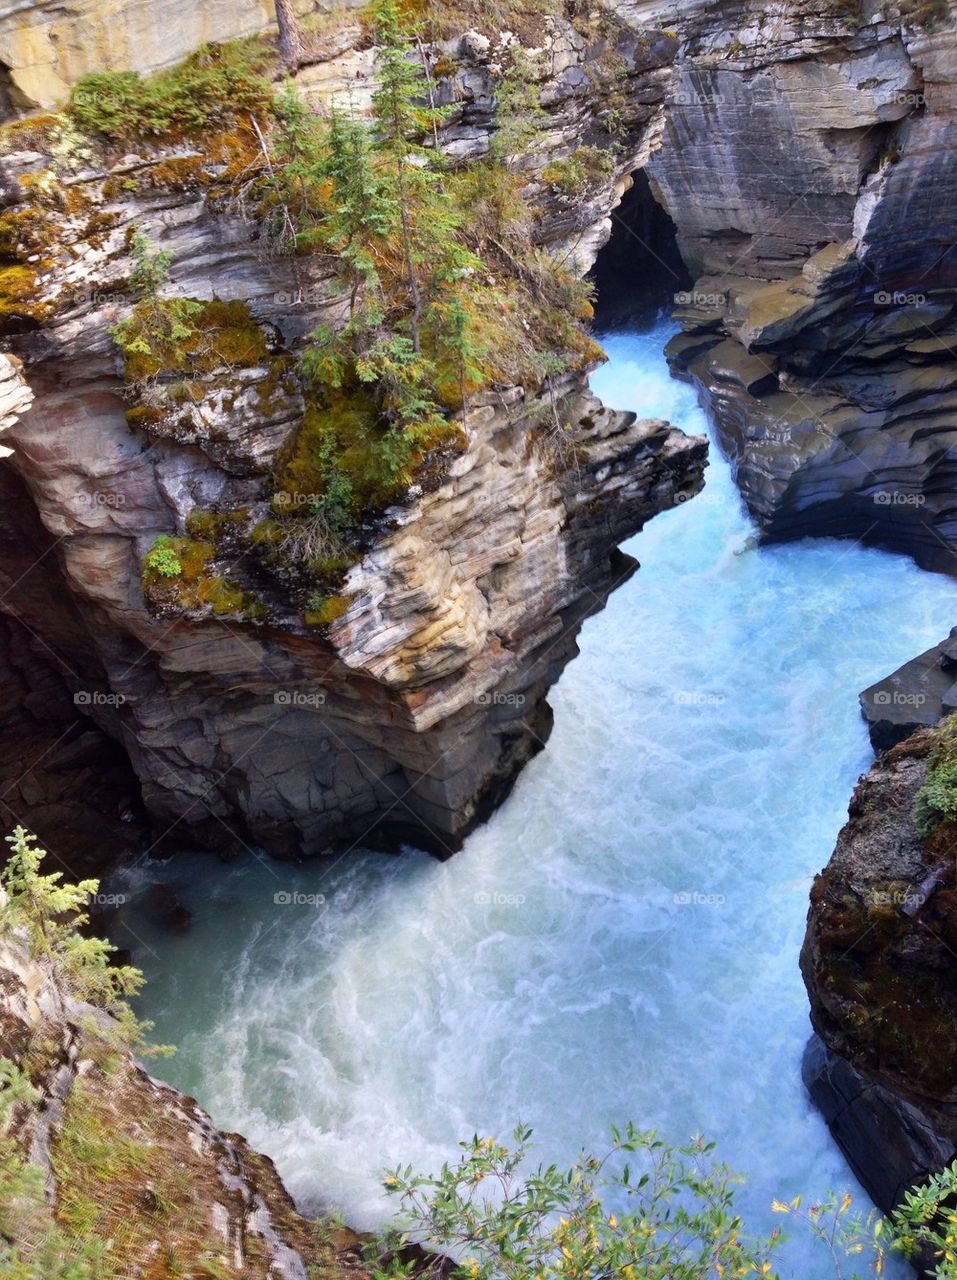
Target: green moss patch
(20, 295)
(176, 337)
(936, 801)
(179, 576)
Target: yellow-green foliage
(51, 914)
(203, 93)
(341, 427)
(33, 133)
(19, 295)
(178, 575)
(936, 801)
(324, 610)
(586, 167)
(23, 232)
(181, 336)
(212, 526)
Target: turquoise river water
(621, 940)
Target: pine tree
(400, 122)
(51, 913)
(361, 209)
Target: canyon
(786, 171)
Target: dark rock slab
(915, 696)
(889, 1143)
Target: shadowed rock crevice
(640, 270)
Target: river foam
(621, 939)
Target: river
(621, 939)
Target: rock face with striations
(811, 173)
(878, 962)
(787, 148)
(917, 695)
(408, 713)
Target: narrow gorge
(272, 596)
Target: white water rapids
(621, 940)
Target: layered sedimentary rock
(879, 966)
(46, 46)
(811, 175)
(794, 152)
(409, 711)
(917, 695)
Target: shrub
(936, 801)
(673, 1217)
(205, 91)
(677, 1217)
(586, 167)
(162, 559)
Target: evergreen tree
(51, 913)
(400, 122)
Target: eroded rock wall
(131, 1164)
(46, 46)
(811, 173)
(878, 962)
(409, 714)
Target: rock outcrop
(879, 966)
(786, 148)
(915, 696)
(810, 172)
(45, 46)
(408, 711)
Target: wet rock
(164, 909)
(878, 963)
(889, 1143)
(914, 696)
(836, 272)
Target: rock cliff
(810, 172)
(804, 156)
(878, 961)
(406, 706)
(786, 148)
